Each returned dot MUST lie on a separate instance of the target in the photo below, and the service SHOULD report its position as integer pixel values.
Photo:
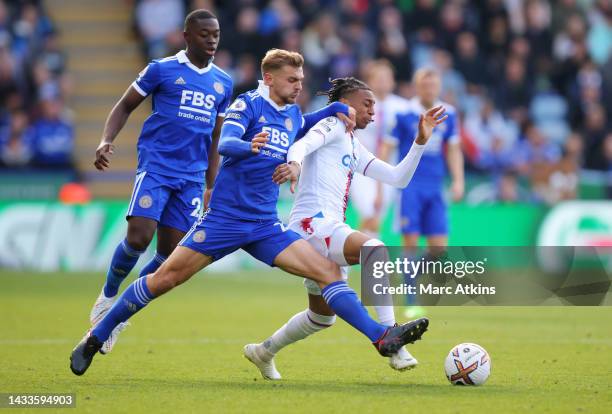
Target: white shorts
(327, 236)
(363, 196)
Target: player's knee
(165, 279)
(373, 242)
(323, 271)
(139, 240)
(375, 250)
(330, 273)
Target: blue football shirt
(244, 188)
(432, 167)
(186, 100)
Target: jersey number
(197, 203)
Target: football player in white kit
(325, 160)
(370, 197)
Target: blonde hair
(277, 58)
(423, 73)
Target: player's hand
(103, 153)
(457, 189)
(287, 172)
(350, 120)
(259, 141)
(207, 195)
(428, 121)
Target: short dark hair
(198, 14)
(341, 87)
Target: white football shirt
(330, 158)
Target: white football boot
(99, 310)
(402, 360)
(263, 360)
(112, 339)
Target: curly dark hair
(342, 87)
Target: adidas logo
(262, 119)
(180, 81)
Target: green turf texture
(184, 353)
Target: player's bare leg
(410, 240)
(436, 245)
(139, 235)
(140, 232)
(370, 226)
(167, 240)
(301, 259)
(180, 266)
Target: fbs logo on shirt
(277, 137)
(197, 99)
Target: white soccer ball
(467, 364)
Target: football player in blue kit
(423, 210)
(177, 152)
(258, 130)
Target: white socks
(298, 327)
(385, 315)
(384, 312)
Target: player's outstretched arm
(337, 109)
(114, 123)
(400, 175)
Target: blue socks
(135, 297)
(153, 265)
(344, 302)
(124, 260)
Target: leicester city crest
(199, 236)
(289, 124)
(145, 201)
(238, 105)
(218, 87)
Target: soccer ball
(467, 364)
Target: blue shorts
(172, 202)
(217, 236)
(423, 211)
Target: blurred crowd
(35, 127)
(532, 79)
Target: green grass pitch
(184, 353)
